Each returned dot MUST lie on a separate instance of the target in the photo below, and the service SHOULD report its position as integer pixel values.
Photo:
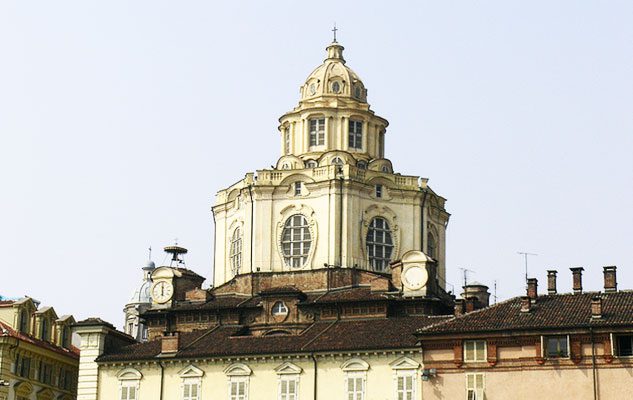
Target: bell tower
(333, 198)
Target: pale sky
(119, 121)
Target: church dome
(142, 293)
(334, 78)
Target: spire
(335, 50)
(334, 31)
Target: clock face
(162, 291)
(415, 277)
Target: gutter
(315, 376)
(593, 364)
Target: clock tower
(333, 197)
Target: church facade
(329, 283)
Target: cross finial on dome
(334, 31)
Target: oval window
(336, 87)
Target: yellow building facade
(37, 358)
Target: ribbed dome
(334, 78)
(142, 294)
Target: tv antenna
(495, 292)
(465, 274)
(525, 255)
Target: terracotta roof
(322, 336)
(5, 303)
(556, 311)
(72, 352)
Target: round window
(279, 308)
(312, 88)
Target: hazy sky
(119, 121)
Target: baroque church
(329, 283)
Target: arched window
(431, 246)
(236, 251)
(296, 241)
(379, 244)
(311, 164)
(337, 161)
(24, 321)
(362, 164)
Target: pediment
(355, 364)
(191, 371)
(129, 374)
(288, 368)
(404, 363)
(238, 369)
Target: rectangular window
(238, 389)
(381, 145)
(379, 191)
(317, 132)
(474, 386)
(405, 389)
(288, 388)
(624, 345)
(474, 350)
(129, 391)
(556, 346)
(190, 389)
(355, 134)
(297, 188)
(355, 386)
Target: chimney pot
(577, 279)
(532, 289)
(526, 304)
(596, 307)
(551, 281)
(610, 279)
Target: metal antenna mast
(465, 274)
(525, 255)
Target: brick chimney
(610, 279)
(596, 307)
(470, 304)
(577, 279)
(551, 281)
(532, 289)
(459, 307)
(169, 343)
(526, 304)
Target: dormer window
(297, 188)
(24, 321)
(44, 329)
(336, 87)
(317, 132)
(355, 134)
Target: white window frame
(404, 375)
(192, 382)
(477, 392)
(288, 379)
(283, 309)
(297, 188)
(316, 136)
(129, 378)
(355, 368)
(238, 373)
(191, 376)
(474, 357)
(544, 347)
(356, 376)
